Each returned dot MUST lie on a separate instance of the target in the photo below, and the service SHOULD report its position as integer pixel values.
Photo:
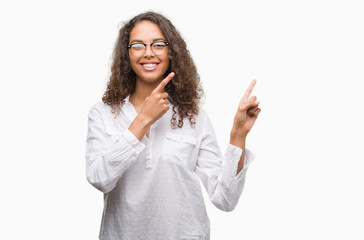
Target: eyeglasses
(158, 48)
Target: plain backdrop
(308, 59)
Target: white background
(308, 58)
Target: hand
(247, 113)
(157, 104)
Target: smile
(149, 66)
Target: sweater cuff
(131, 139)
(235, 154)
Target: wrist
(238, 138)
(238, 133)
(139, 127)
(143, 121)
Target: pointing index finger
(164, 82)
(250, 89)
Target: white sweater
(151, 188)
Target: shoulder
(202, 115)
(203, 120)
(101, 116)
(100, 109)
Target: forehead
(146, 31)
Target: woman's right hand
(157, 104)
(153, 108)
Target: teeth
(149, 65)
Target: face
(148, 67)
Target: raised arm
(244, 120)
(224, 176)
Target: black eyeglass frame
(150, 44)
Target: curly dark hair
(184, 90)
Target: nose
(148, 51)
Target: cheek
(166, 61)
(133, 63)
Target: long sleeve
(108, 155)
(217, 173)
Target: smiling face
(148, 67)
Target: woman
(148, 143)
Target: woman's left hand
(247, 113)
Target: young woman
(148, 142)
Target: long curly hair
(184, 89)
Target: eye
(137, 46)
(159, 45)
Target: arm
(224, 178)
(218, 173)
(108, 157)
(244, 120)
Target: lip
(149, 66)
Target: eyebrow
(154, 40)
